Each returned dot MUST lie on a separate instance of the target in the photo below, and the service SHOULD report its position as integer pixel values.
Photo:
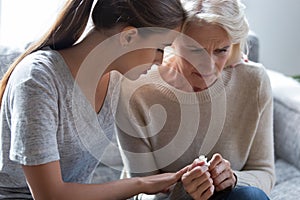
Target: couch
(286, 130)
(286, 97)
(286, 92)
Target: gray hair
(228, 14)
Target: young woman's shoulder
(45, 59)
(42, 65)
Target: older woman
(215, 103)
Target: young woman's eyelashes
(197, 50)
(194, 49)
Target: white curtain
(23, 21)
(0, 19)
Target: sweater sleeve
(259, 168)
(133, 133)
(133, 139)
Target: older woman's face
(203, 53)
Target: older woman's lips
(203, 75)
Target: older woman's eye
(221, 51)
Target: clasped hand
(202, 180)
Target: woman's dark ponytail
(70, 25)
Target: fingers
(159, 183)
(219, 168)
(200, 180)
(221, 173)
(215, 160)
(197, 182)
(196, 163)
(225, 180)
(192, 173)
(204, 195)
(195, 173)
(179, 174)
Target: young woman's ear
(128, 35)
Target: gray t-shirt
(45, 117)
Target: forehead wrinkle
(208, 35)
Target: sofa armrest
(253, 47)
(286, 93)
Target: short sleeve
(34, 119)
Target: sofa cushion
(286, 93)
(287, 181)
(285, 171)
(287, 190)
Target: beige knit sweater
(162, 129)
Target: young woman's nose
(159, 57)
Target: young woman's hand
(161, 182)
(221, 173)
(45, 182)
(197, 181)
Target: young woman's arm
(45, 182)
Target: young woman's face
(203, 53)
(138, 61)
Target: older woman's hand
(221, 173)
(197, 181)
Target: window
(23, 21)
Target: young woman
(212, 102)
(53, 110)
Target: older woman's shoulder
(253, 69)
(253, 65)
(249, 73)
